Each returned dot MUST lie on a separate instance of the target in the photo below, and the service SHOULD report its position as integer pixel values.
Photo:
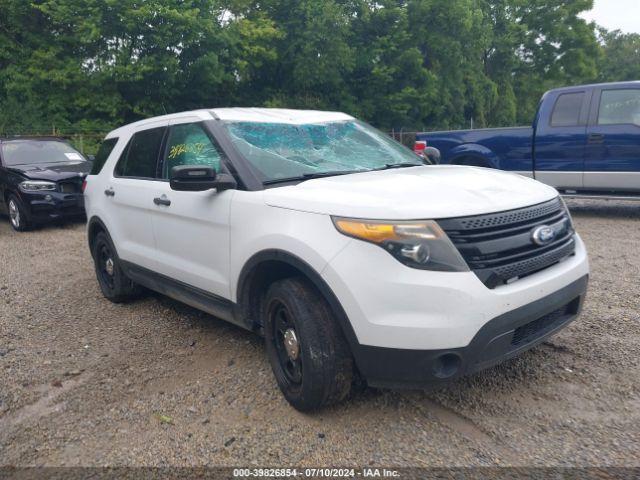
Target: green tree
(536, 45)
(390, 83)
(559, 49)
(452, 40)
(90, 65)
(620, 60)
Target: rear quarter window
(140, 158)
(567, 110)
(103, 154)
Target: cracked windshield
(282, 152)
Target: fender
(310, 273)
(485, 156)
(9, 186)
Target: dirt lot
(86, 382)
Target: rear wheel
(17, 216)
(308, 353)
(115, 285)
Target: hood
(53, 171)
(424, 192)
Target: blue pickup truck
(585, 141)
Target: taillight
(419, 146)
(84, 185)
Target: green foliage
(86, 66)
(620, 60)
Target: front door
(612, 160)
(192, 228)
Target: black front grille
(72, 186)
(539, 328)
(500, 247)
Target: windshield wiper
(311, 176)
(390, 166)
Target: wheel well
(270, 266)
(7, 194)
(471, 161)
(95, 227)
(256, 283)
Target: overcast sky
(617, 15)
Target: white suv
(351, 257)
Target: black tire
(322, 372)
(17, 215)
(115, 285)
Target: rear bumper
(50, 206)
(504, 337)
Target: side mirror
(193, 178)
(431, 156)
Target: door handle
(110, 192)
(596, 138)
(162, 201)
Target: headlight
(566, 209)
(37, 186)
(420, 245)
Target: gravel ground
(84, 382)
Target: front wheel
(308, 353)
(17, 216)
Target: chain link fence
(89, 142)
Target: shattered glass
(280, 150)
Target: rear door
(612, 160)
(560, 138)
(131, 191)
(192, 228)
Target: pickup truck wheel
(114, 284)
(17, 215)
(308, 353)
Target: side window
(103, 153)
(140, 158)
(188, 144)
(619, 106)
(567, 110)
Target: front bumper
(404, 321)
(502, 338)
(45, 207)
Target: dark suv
(40, 180)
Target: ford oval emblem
(543, 235)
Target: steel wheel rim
(282, 329)
(105, 258)
(14, 214)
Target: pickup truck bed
(491, 147)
